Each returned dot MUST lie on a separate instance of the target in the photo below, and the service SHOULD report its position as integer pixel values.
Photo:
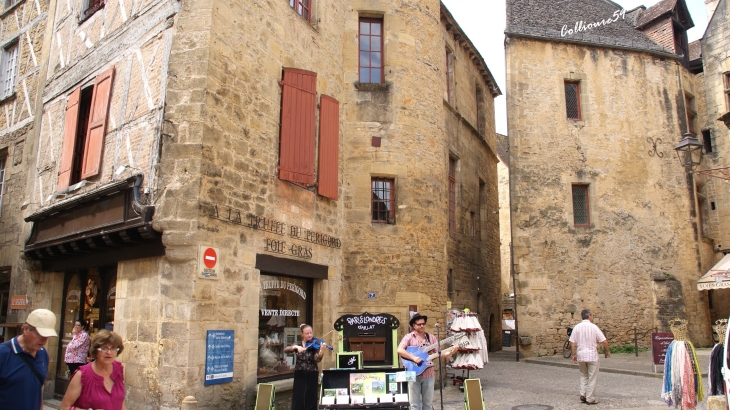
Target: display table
(341, 379)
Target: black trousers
(305, 391)
(72, 368)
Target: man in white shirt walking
(584, 342)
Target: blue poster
(218, 357)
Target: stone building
(23, 62)
(713, 130)
(329, 158)
(604, 216)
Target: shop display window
(284, 304)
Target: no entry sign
(208, 262)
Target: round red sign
(210, 258)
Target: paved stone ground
(625, 382)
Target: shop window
(572, 100)
(371, 50)
(9, 69)
(383, 202)
(84, 128)
(581, 209)
(303, 7)
(284, 304)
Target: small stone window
(572, 100)
(581, 208)
(383, 200)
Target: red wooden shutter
(296, 141)
(97, 123)
(329, 132)
(69, 139)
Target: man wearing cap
(24, 362)
(420, 392)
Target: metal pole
(636, 343)
(441, 374)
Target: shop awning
(718, 277)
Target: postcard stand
(340, 379)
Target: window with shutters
(303, 7)
(581, 209)
(572, 100)
(371, 50)
(87, 110)
(9, 69)
(3, 163)
(452, 195)
(296, 133)
(383, 202)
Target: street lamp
(689, 151)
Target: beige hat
(44, 321)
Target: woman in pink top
(99, 384)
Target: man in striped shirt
(420, 392)
(584, 344)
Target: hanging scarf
(689, 396)
(697, 372)
(667, 385)
(717, 387)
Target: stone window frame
(594, 212)
(450, 76)
(370, 20)
(3, 171)
(452, 170)
(585, 188)
(583, 91)
(690, 112)
(375, 213)
(726, 84)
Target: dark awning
(96, 228)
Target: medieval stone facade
(604, 216)
(329, 158)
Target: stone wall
(635, 265)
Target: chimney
(711, 5)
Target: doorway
(89, 297)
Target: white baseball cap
(44, 322)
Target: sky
(483, 21)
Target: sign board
(659, 343)
(218, 357)
(19, 302)
(208, 262)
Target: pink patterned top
(93, 393)
(77, 348)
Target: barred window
(383, 202)
(581, 209)
(572, 100)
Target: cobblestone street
(508, 385)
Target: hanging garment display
(717, 387)
(474, 354)
(682, 385)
